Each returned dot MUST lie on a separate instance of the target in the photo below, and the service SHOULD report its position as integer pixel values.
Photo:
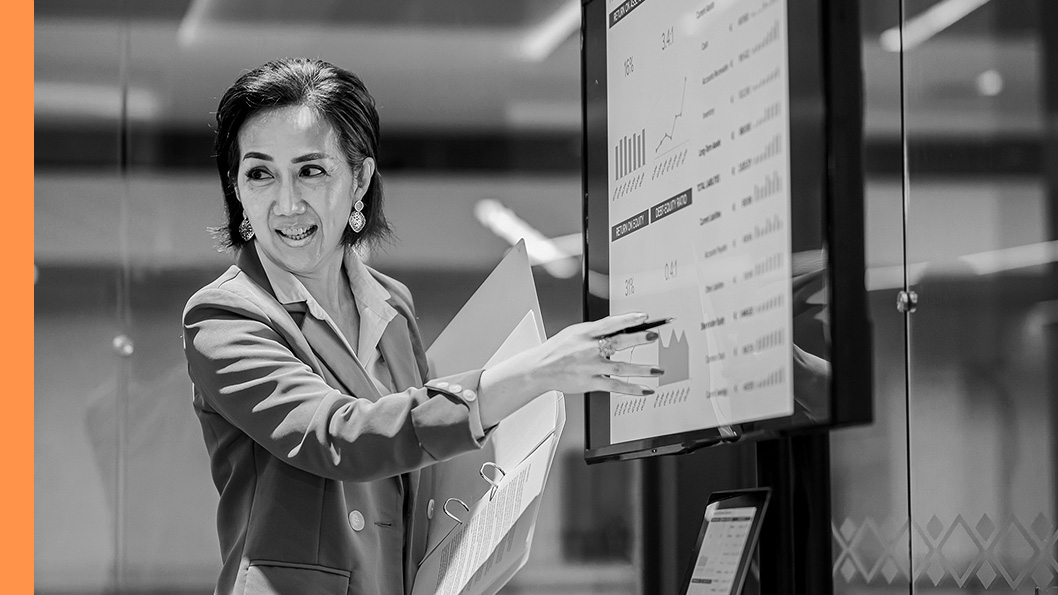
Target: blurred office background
(952, 489)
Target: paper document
(483, 553)
(510, 442)
(500, 320)
(483, 323)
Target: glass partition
(981, 240)
(869, 510)
(963, 444)
(82, 347)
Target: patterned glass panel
(870, 520)
(981, 237)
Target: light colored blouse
(375, 312)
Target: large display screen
(699, 212)
(706, 201)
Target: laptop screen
(726, 542)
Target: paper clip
(492, 481)
(449, 513)
(451, 530)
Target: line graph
(668, 135)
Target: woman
(311, 383)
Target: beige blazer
(318, 473)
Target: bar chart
(630, 154)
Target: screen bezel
(756, 498)
(850, 400)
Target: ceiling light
(572, 244)
(918, 29)
(893, 276)
(540, 41)
(542, 251)
(194, 19)
(989, 83)
(997, 261)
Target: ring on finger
(606, 348)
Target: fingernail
(648, 391)
(657, 371)
(652, 336)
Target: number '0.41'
(670, 270)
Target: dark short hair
(336, 94)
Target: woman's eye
(311, 171)
(258, 173)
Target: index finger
(617, 323)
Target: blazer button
(429, 509)
(441, 385)
(356, 520)
(456, 388)
(469, 395)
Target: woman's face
(296, 187)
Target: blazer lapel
(248, 263)
(327, 347)
(396, 347)
(332, 352)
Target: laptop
(726, 542)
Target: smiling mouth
(297, 233)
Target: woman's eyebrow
(309, 157)
(256, 155)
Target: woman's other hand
(572, 361)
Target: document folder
(480, 536)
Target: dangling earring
(246, 230)
(357, 221)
